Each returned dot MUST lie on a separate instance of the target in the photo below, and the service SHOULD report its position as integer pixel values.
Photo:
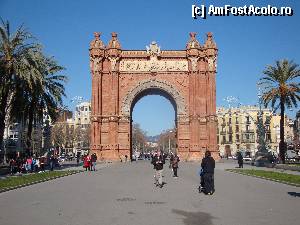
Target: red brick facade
(121, 77)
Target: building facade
(297, 131)
(71, 131)
(82, 116)
(237, 130)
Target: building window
(248, 119)
(237, 136)
(229, 120)
(237, 129)
(218, 139)
(224, 138)
(230, 138)
(247, 127)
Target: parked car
(292, 155)
(247, 159)
(61, 158)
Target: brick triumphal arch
(121, 77)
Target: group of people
(27, 164)
(89, 162)
(206, 171)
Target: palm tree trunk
(282, 144)
(30, 127)
(3, 107)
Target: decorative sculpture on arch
(154, 84)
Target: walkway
(121, 194)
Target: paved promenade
(123, 194)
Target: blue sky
(246, 44)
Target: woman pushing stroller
(207, 174)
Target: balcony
(248, 131)
(250, 140)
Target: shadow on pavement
(194, 218)
(294, 194)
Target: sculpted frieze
(153, 65)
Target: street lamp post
(170, 141)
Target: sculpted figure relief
(212, 64)
(194, 62)
(113, 61)
(153, 64)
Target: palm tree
(281, 89)
(17, 65)
(43, 96)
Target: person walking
(52, 162)
(158, 162)
(93, 161)
(208, 166)
(42, 163)
(87, 163)
(12, 164)
(174, 160)
(240, 159)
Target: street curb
(39, 181)
(287, 167)
(265, 178)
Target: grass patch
(280, 177)
(15, 181)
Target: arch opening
(166, 146)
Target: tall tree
(17, 64)
(139, 137)
(46, 96)
(167, 139)
(280, 90)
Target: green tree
(17, 65)
(42, 96)
(280, 90)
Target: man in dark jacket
(208, 167)
(158, 162)
(240, 159)
(174, 160)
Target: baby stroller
(201, 186)
(206, 188)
